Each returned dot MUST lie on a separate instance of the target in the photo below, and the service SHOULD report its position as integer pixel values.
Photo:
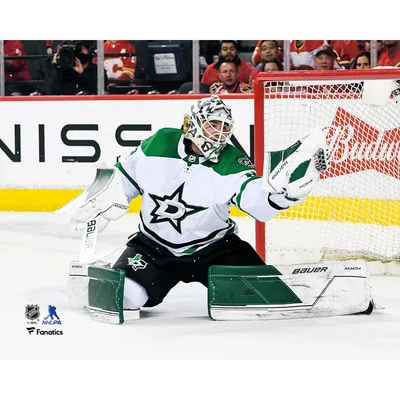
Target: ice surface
(36, 249)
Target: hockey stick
(87, 254)
(89, 240)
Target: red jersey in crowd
(239, 88)
(390, 59)
(119, 67)
(254, 73)
(305, 54)
(210, 75)
(347, 50)
(15, 70)
(256, 57)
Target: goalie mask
(209, 125)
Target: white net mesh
(354, 212)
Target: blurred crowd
(33, 67)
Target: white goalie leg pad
(78, 282)
(77, 286)
(135, 295)
(342, 290)
(323, 289)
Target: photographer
(73, 69)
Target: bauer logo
(356, 146)
(90, 230)
(309, 270)
(52, 318)
(32, 313)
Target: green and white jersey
(186, 199)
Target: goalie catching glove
(292, 173)
(105, 198)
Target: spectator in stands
(271, 65)
(16, 70)
(347, 50)
(302, 52)
(362, 61)
(379, 47)
(73, 69)
(228, 75)
(390, 56)
(268, 49)
(256, 57)
(119, 67)
(228, 52)
(325, 59)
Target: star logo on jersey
(172, 209)
(137, 262)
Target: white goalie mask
(209, 125)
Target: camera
(71, 50)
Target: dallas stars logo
(172, 209)
(137, 262)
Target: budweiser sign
(356, 146)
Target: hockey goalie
(188, 179)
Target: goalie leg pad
(78, 283)
(297, 291)
(112, 297)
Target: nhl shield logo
(32, 312)
(246, 162)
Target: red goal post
(358, 109)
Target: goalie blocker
(296, 291)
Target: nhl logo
(32, 312)
(246, 162)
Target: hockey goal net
(354, 212)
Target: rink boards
(50, 146)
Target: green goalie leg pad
(247, 286)
(106, 294)
(329, 288)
